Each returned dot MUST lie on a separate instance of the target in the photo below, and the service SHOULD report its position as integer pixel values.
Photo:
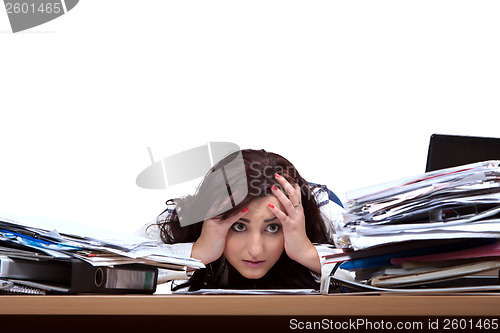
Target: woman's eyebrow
(265, 221)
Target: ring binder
(77, 277)
(8, 287)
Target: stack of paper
(429, 229)
(87, 260)
(461, 202)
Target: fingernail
(275, 188)
(277, 176)
(271, 205)
(244, 210)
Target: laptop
(447, 151)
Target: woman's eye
(238, 226)
(273, 228)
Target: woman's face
(255, 242)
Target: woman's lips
(253, 263)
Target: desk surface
(307, 305)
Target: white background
(349, 91)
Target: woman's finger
(282, 198)
(293, 191)
(289, 189)
(230, 220)
(298, 197)
(279, 214)
(292, 202)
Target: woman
(259, 222)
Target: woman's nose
(255, 245)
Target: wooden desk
(255, 305)
(250, 313)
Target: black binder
(121, 279)
(79, 277)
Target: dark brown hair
(260, 167)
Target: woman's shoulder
(324, 195)
(330, 208)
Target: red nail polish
(244, 210)
(271, 205)
(277, 176)
(275, 188)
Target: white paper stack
(459, 202)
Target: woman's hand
(210, 245)
(297, 245)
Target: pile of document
(36, 260)
(436, 231)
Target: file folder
(123, 279)
(78, 277)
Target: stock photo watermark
(27, 14)
(202, 161)
(227, 179)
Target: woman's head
(254, 248)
